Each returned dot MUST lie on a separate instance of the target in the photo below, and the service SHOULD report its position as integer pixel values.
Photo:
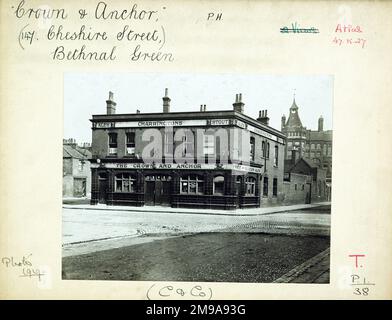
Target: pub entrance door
(157, 190)
(102, 187)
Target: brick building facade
(308, 182)
(76, 169)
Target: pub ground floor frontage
(213, 189)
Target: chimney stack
(294, 156)
(203, 108)
(238, 105)
(137, 111)
(166, 102)
(320, 124)
(283, 123)
(263, 118)
(110, 104)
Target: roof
(289, 165)
(309, 162)
(74, 151)
(320, 135)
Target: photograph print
(197, 177)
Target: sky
(85, 94)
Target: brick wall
(297, 190)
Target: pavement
(202, 257)
(87, 230)
(314, 270)
(238, 212)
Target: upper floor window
(208, 144)
(130, 141)
(268, 150)
(250, 183)
(125, 183)
(168, 144)
(312, 146)
(219, 185)
(252, 148)
(187, 145)
(112, 143)
(81, 165)
(324, 149)
(276, 156)
(192, 184)
(263, 150)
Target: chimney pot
(166, 102)
(263, 118)
(110, 104)
(238, 105)
(321, 124)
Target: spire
(293, 121)
(294, 105)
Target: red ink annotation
(346, 38)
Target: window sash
(191, 185)
(252, 148)
(250, 186)
(124, 183)
(209, 144)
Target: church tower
(295, 133)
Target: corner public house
(121, 177)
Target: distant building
(76, 169)
(305, 182)
(314, 145)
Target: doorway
(102, 187)
(308, 198)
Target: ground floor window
(250, 186)
(265, 186)
(124, 182)
(219, 185)
(275, 187)
(192, 184)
